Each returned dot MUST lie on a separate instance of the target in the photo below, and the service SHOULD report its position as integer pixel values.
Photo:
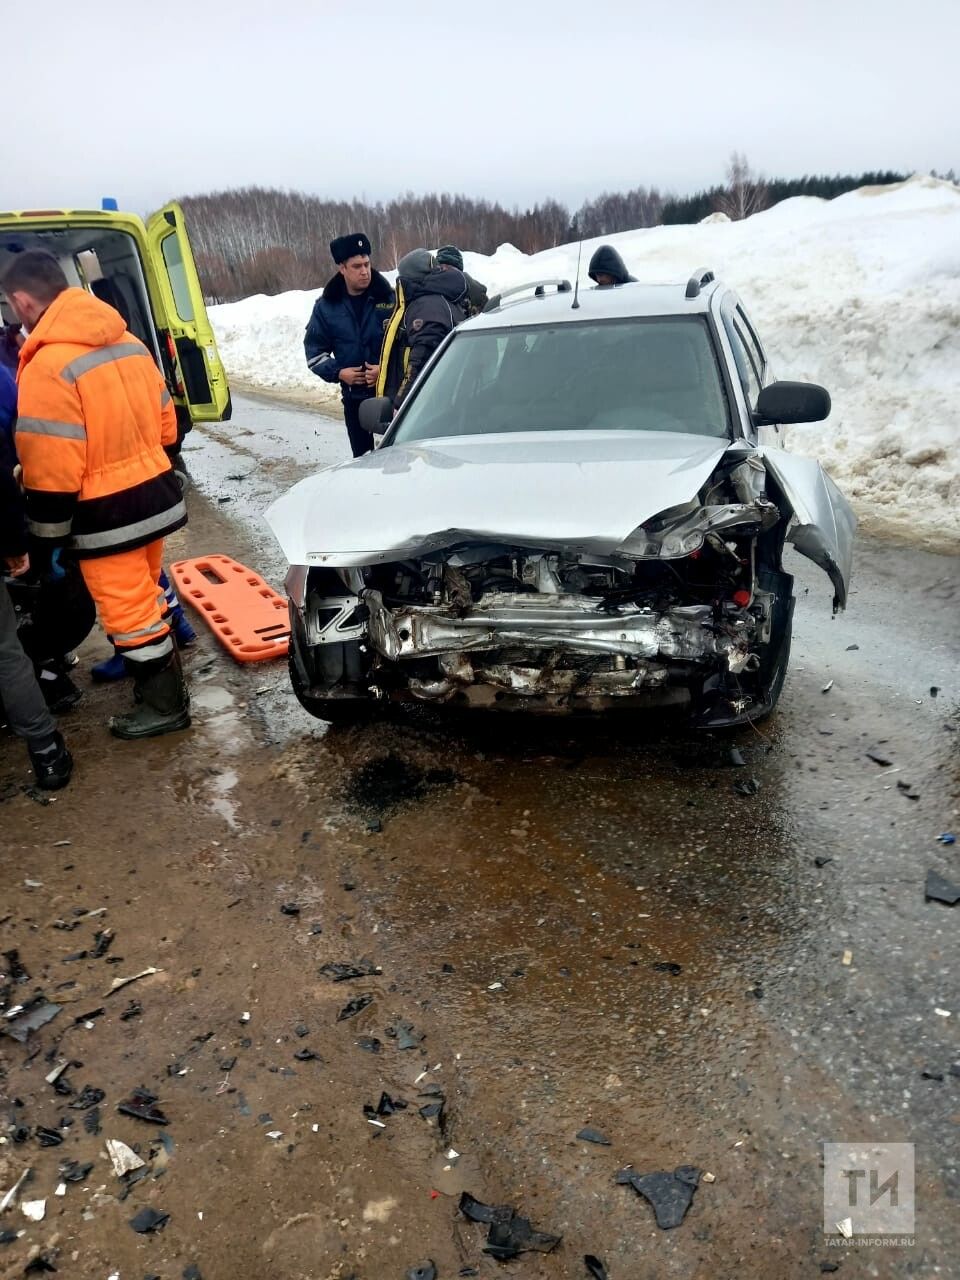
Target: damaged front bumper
(561, 649)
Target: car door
(200, 378)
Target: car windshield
(615, 375)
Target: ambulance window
(173, 259)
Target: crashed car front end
(690, 610)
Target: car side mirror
(786, 402)
(375, 414)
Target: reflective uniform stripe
(130, 532)
(103, 355)
(316, 359)
(156, 628)
(148, 652)
(40, 530)
(51, 427)
(165, 398)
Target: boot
(59, 692)
(112, 668)
(181, 628)
(52, 764)
(162, 701)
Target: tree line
(259, 240)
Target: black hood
(606, 261)
(335, 290)
(449, 283)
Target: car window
(624, 375)
(748, 366)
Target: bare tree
(745, 192)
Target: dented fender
(824, 524)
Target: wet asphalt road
(521, 884)
(810, 998)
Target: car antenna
(576, 286)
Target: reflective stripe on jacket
(95, 415)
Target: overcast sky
(513, 100)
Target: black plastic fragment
(7, 1237)
(81, 1018)
(149, 1220)
(405, 1034)
(301, 1030)
(593, 1135)
(929, 1074)
(305, 1055)
(87, 1097)
(939, 889)
(595, 1267)
(192, 1272)
(34, 1015)
(821, 861)
(48, 1137)
(369, 1044)
(509, 1234)
(73, 1171)
(133, 1010)
(15, 970)
(880, 757)
(385, 1107)
(667, 966)
(102, 942)
(42, 1262)
(670, 1194)
(422, 1271)
(91, 1121)
(354, 1006)
(827, 1268)
(747, 787)
(142, 1106)
(290, 909)
(735, 758)
(343, 972)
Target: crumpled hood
(75, 317)
(584, 491)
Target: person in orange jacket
(95, 420)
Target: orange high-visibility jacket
(94, 417)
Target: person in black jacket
(608, 268)
(343, 339)
(24, 708)
(450, 256)
(434, 302)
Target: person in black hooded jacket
(608, 268)
(434, 301)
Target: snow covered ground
(861, 293)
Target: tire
(337, 711)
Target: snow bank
(860, 293)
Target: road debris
(343, 972)
(422, 1271)
(946, 837)
(87, 1097)
(593, 1135)
(149, 1220)
(123, 1158)
(355, 1006)
(405, 1034)
(667, 966)
(509, 1234)
(880, 757)
(670, 1194)
(142, 1106)
(847, 958)
(595, 1267)
(385, 1107)
(10, 1198)
(134, 977)
(747, 787)
(23, 1019)
(73, 1171)
(34, 1209)
(369, 1044)
(827, 687)
(939, 889)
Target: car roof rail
(539, 288)
(702, 276)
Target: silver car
(581, 506)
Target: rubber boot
(162, 701)
(112, 668)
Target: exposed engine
(685, 611)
